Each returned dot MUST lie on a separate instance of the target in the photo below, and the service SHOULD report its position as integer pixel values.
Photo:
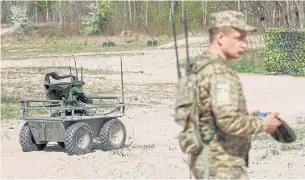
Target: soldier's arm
(225, 91)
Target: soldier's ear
(220, 37)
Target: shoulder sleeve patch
(223, 93)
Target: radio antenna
(75, 66)
(188, 68)
(175, 38)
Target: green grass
(267, 142)
(33, 45)
(10, 111)
(251, 62)
(32, 50)
(62, 70)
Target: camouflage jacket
(221, 96)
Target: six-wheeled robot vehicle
(72, 119)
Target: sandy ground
(4, 30)
(154, 153)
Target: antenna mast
(75, 67)
(122, 84)
(188, 68)
(174, 34)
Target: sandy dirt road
(4, 30)
(149, 87)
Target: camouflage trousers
(227, 173)
(237, 172)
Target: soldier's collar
(214, 56)
(206, 58)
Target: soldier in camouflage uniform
(221, 97)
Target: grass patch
(122, 152)
(60, 70)
(266, 141)
(13, 111)
(127, 151)
(32, 50)
(10, 111)
(144, 146)
(48, 42)
(251, 62)
(7, 99)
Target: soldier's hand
(273, 122)
(253, 113)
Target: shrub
(19, 18)
(285, 52)
(97, 19)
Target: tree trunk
(47, 11)
(182, 5)
(204, 4)
(273, 17)
(245, 10)
(146, 14)
(134, 12)
(281, 16)
(72, 14)
(53, 14)
(288, 18)
(36, 12)
(301, 13)
(65, 12)
(59, 12)
(238, 5)
(130, 17)
(124, 15)
(293, 16)
(59, 9)
(5, 12)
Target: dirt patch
(5, 30)
(149, 89)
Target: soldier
(221, 98)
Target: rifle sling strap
(203, 142)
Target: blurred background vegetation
(54, 27)
(112, 17)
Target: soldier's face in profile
(234, 43)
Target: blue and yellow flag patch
(223, 93)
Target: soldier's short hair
(214, 30)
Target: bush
(285, 52)
(97, 19)
(19, 18)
